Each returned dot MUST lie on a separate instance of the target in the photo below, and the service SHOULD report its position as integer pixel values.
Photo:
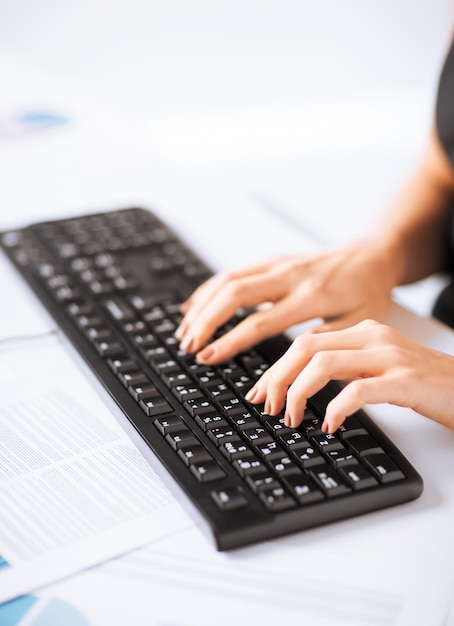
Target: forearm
(415, 228)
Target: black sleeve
(444, 111)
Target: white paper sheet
(183, 581)
(21, 315)
(74, 489)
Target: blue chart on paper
(39, 611)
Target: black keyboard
(113, 282)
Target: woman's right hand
(376, 363)
(340, 287)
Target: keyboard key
(109, 348)
(223, 434)
(145, 340)
(194, 454)
(303, 489)
(283, 466)
(248, 466)
(218, 391)
(351, 426)
(255, 365)
(311, 426)
(172, 379)
(364, 444)
(187, 392)
(328, 481)
(205, 375)
(243, 421)
(326, 443)
(210, 420)
(257, 436)
(168, 424)
(157, 354)
(241, 382)
(269, 451)
(229, 499)
(235, 450)
(99, 334)
(231, 405)
(155, 406)
(277, 427)
(357, 476)
(118, 309)
(199, 406)
(307, 457)
(144, 392)
(262, 481)
(131, 378)
(122, 364)
(207, 472)
(165, 366)
(383, 468)
(338, 458)
(183, 438)
(293, 441)
(276, 499)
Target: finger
(203, 294)
(204, 291)
(339, 323)
(255, 328)
(250, 331)
(353, 397)
(197, 299)
(342, 322)
(326, 366)
(308, 344)
(243, 292)
(276, 380)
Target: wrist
(388, 257)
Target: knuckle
(368, 323)
(356, 392)
(303, 342)
(235, 289)
(257, 323)
(398, 356)
(383, 334)
(322, 360)
(225, 277)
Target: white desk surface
(97, 161)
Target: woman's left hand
(378, 365)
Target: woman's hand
(341, 287)
(377, 363)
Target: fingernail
(287, 421)
(267, 407)
(251, 394)
(205, 355)
(325, 426)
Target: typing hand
(377, 363)
(341, 287)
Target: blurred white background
(201, 56)
(317, 110)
